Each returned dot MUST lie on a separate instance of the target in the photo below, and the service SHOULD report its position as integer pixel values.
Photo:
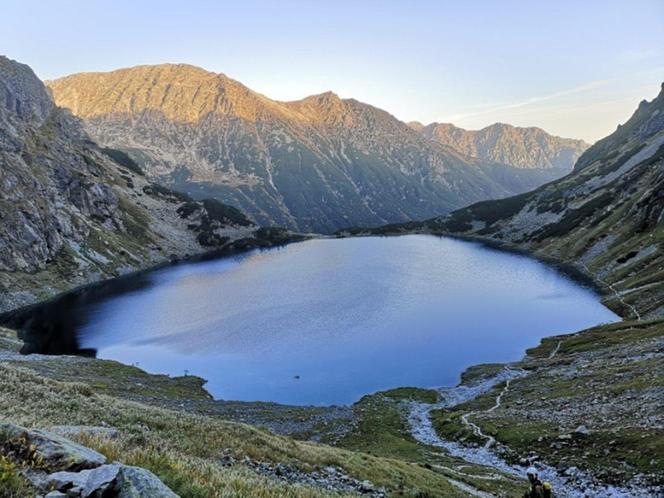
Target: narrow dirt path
(615, 291)
(555, 350)
(469, 489)
(578, 485)
(490, 440)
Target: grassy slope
(610, 379)
(184, 448)
(383, 431)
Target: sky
(574, 68)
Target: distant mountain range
(519, 147)
(317, 164)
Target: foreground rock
(49, 452)
(59, 467)
(114, 480)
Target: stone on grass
(120, 481)
(582, 430)
(135, 482)
(52, 452)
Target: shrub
(12, 484)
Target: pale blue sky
(575, 68)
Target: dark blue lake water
(327, 321)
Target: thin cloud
(530, 101)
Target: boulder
(64, 468)
(116, 480)
(582, 430)
(135, 482)
(91, 482)
(50, 451)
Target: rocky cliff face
(71, 213)
(530, 148)
(606, 218)
(320, 163)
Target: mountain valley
(109, 174)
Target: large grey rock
(135, 482)
(52, 452)
(92, 482)
(116, 480)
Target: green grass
(603, 336)
(448, 426)
(12, 484)
(123, 381)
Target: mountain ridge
(315, 164)
(524, 147)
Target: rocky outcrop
(72, 213)
(49, 452)
(112, 480)
(59, 467)
(316, 164)
(530, 148)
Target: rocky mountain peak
(180, 92)
(22, 94)
(325, 107)
(520, 147)
(647, 120)
(320, 163)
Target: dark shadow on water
(52, 327)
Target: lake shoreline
(8, 317)
(22, 313)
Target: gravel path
(573, 484)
